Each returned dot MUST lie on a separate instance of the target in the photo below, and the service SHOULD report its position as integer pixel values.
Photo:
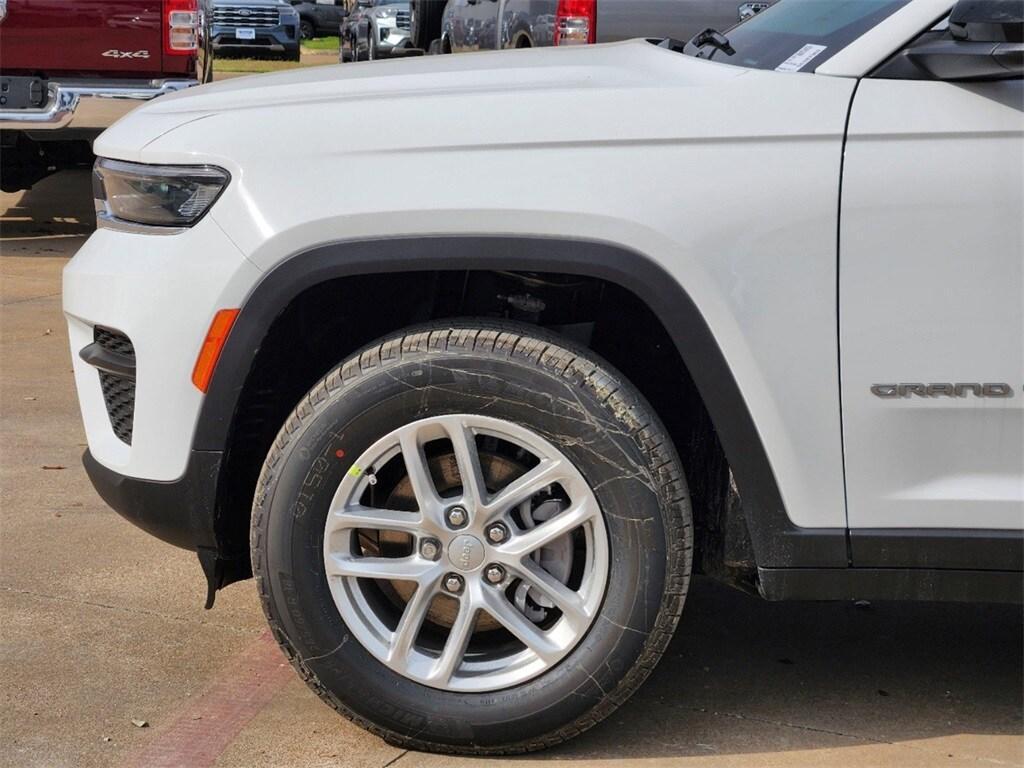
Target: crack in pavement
(133, 611)
(395, 759)
(30, 298)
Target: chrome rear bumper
(87, 105)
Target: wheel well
(330, 321)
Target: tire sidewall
(578, 423)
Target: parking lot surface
(103, 625)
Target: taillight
(576, 22)
(182, 18)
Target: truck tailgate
(82, 38)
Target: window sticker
(800, 59)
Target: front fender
(777, 541)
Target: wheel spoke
(408, 628)
(455, 645)
(358, 516)
(386, 568)
(528, 633)
(522, 488)
(528, 541)
(464, 444)
(538, 546)
(419, 473)
(569, 602)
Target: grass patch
(256, 66)
(322, 44)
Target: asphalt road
(102, 624)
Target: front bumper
(280, 39)
(390, 38)
(160, 293)
(179, 512)
(72, 104)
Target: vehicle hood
(422, 92)
(619, 91)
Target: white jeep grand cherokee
(752, 310)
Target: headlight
(159, 198)
(383, 13)
(289, 16)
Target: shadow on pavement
(745, 676)
(58, 206)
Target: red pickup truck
(70, 68)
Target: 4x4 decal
(113, 53)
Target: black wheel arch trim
(777, 541)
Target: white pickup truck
(752, 310)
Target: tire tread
(554, 356)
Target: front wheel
(473, 538)
(306, 30)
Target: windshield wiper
(709, 37)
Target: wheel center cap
(466, 552)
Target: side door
(527, 23)
(473, 25)
(931, 291)
(328, 16)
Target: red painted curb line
(204, 730)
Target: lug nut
(453, 583)
(495, 574)
(497, 533)
(430, 548)
(457, 517)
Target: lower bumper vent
(114, 355)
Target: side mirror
(985, 42)
(987, 21)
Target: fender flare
(777, 541)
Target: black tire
(295, 55)
(371, 44)
(307, 30)
(426, 22)
(566, 395)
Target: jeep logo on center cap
(466, 552)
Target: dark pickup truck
(70, 69)
(454, 26)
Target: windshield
(796, 35)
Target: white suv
(753, 310)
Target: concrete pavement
(102, 624)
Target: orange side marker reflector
(212, 346)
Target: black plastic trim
(947, 548)
(179, 512)
(777, 542)
(111, 362)
(965, 586)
